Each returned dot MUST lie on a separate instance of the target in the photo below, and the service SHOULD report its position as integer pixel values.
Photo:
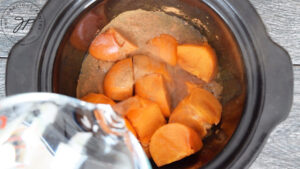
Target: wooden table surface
(282, 19)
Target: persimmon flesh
(118, 82)
(199, 60)
(173, 142)
(166, 48)
(202, 105)
(152, 87)
(144, 65)
(98, 99)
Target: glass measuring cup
(43, 130)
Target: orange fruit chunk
(98, 99)
(199, 60)
(111, 46)
(166, 46)
(118, 82)
(144, 65)
(146, 120)
(145, 117)
(199, 110)
(184, 114)
(129, 127)
(206, 104)
(173, 142)
(127, 105)
(152, 87)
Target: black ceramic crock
(232, 27)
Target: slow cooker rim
(246, 126)
(42, 81)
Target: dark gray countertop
(282, 19)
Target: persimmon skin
(199, 60)
(173, 142)
(166, 47)
(98, 99)
(144, 65)
(152, 87)
(118, 82)
(111, 46)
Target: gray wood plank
(282, 20)
(2, 77)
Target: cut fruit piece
(186, 115)
(129, 127)
(118, 82)
(191, 86)
(111, 46)
(145, 117)
(127, 105)
(144, 65)
(173, 142)
(199, 110)
(206, 104)
(152, 87)
(166, 47)
(98, 99)
(199, 60)
(146, 120)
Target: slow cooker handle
(278, 78)
(277, 66)
(279, 84)
(278, 95)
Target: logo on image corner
(17, 20)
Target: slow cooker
(257, 79)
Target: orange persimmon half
(166, 47)
(199, 60)
(98, 99)
(118, 82)
(144, 65)
(152, 87)
(173, 142)
(199, 110)
(111, 46)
